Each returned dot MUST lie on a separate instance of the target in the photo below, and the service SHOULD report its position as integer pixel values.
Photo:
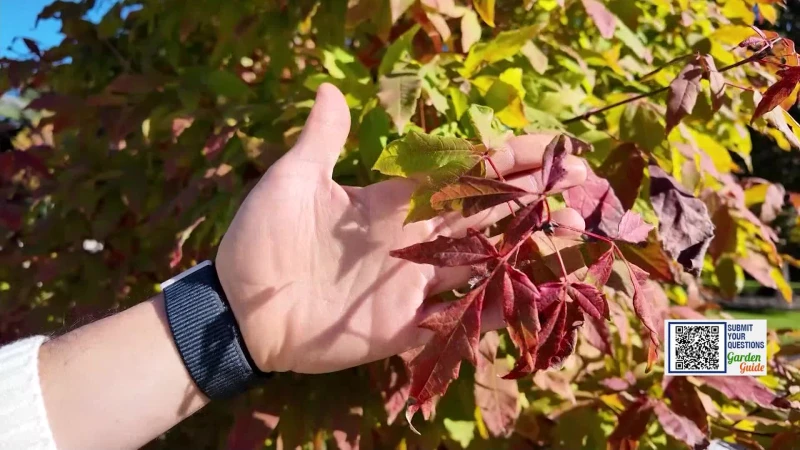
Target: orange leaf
(774, 95)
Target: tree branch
(754, 57)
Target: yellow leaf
(791, 260)
(419, 206)
(613, 401)
(513, 115)
(505, 97)
(737, 138)
(732, 34)
(505, 45)
(782, 284)
(459, 99)
(768, 12)
(485, 9)
(756, 194)
(470, 30)
(719, 155)
(480, 425)
(772, 348)
(513, 77)
(722, 53)
(770, 381)
(738, 9)
(780, 139)
(734, 410)
(611, 57)
(794, 127)
(483, 83)
(677, 294)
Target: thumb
(325, 131)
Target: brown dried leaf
(496, 397)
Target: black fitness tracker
(206, 333)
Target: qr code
(697, 347)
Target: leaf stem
(754, 57)
(547, 207)
(558, 255)
(588, 233)
(500, 176)
(663, 66)
(634, 282)
(421, 109)
(738, 87)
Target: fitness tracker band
(206, 333)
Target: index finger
(520, 153)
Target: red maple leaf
(597, 333)
(747, 389)
(631, 425)
(520, 299)
(597, 204)
(560, 322)
(457, 331)
(632, 228)
(449, 252)
(679, 427)
(527, 220)
(589, 298)
(542, 320)
(685, 401)
(553, 169)
(471, 195)
(644, 310)
(778, 92)
(600, 270)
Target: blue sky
(17, 19)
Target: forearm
(118, 382)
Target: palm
(307, 268)
(344, 299)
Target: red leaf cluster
(771, 48)
(543, 318)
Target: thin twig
(586, 115)
(592, 112)
(664, 66)
(738, 87)
(125, 63)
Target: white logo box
(715, 347)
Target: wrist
(259, 309)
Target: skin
(306, 268)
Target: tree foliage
(153, 123)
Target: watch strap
(206, 333)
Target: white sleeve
(23, 419)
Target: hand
(306, 266)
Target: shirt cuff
(23, 418)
